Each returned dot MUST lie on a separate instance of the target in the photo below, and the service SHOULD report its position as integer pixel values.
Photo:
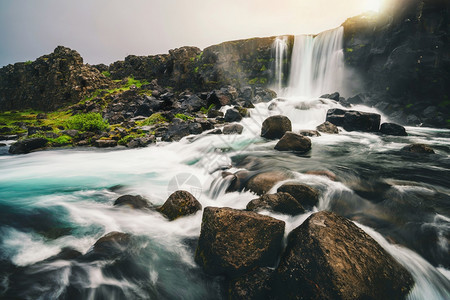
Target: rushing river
(54, 199)
(63, 199)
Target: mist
(104, 31)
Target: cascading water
(317, 65)
(281, 46)
(51, 200)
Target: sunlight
(373, 5)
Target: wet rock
(275, 127)
(336, 116)
(232, 242)
(27, 145)
(214, 113)
(263, 182)
(136, 202)
(195, 128)
(335, 96)
(141, 142)
(112, 243)
(176, 131)
(418, 148)
(355, 100)
(265, 94)
(393, 129)
(34, 130)
(2, 145)
(328, 127)
(361, 121)
(233, 129)
(216, 131)
(179, 204)
(280, 202)
(105, 143)
(222, 97)
(193, 103)
(305, 195)
(293, 142)
(233, 115)
(252, 285)
(310, 133)
(9, 137)
(66, 253)
(238, 181)
(329, 257)
(246, 93)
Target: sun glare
(373, 5)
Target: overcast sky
(104, 31)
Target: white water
(281, 48)
(76, 181)
(317, 66)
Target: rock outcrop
(329, 257)
(293, 142)
(50, 82)
(27, 145)
(275, 127)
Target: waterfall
(317, 64)
(280, 45)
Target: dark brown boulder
(418, 148)
(112, 243)
(305, 195)
(180, 203)
(280, 202)
(336, 116)
(136, 202)
(329, 257)
(232, 242)
(293, 142)
(252, 285)
(361, 121)
(27, 145)
(275, 127)
(393, 129)
(262, 183)
(328, 127)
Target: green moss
(196, 70)
(87, 122)
(126, 139)
(60, 141)
(263, 68)
(28, 62)
(409, 105)
(106, 73)
(183, 117)
(153, 119)
(444, 103)
(348, 50)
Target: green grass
(153, 119)
(206, 110)
(106, 73)
(184, 117)
(87, 122)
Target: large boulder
(393, 129)
(27, 145)
(305, 195)
(329, 257)
(275, 127)
(328, 127)
(336, 116)
(293, 142)
(311, 133)
(232, 242)
(361, 121)
(112, 243)
(180, 203)
(252, 285)
(280, 202)
(262, 183)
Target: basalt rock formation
(49, 82)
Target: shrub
(87, 122)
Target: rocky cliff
(403, 60)
(49, 82)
